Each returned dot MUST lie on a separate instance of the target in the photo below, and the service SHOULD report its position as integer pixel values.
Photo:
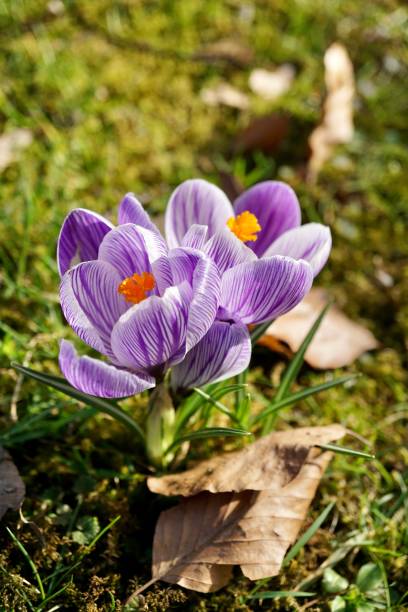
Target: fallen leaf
(232, 51)
(271, 84)
(262, 495)
(264, 134)
(337, 122)
(10, 145)
(226, 94)
(12, 489)
(338, 341)
(271, 461)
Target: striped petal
(276, 207)
(195, 202)
(99, 378)
(196, 237)
(311, 242)
(132, 211)
(94, 285)
(227, 251)
(152, 332)
(131, 249)
(81, 234)
(264, 289)
(202, 274)
(223, 352)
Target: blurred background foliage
(110, 96)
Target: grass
(110, 92)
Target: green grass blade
(275, 406)
(29, 561)
(345, 451)
(217, 404)
(294, 366)
(95, 402)
(309, 533)
(207, 432)
(280, 594)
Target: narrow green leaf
(208, 432)
(345, 451)
(275, 406)
(309, 533)
(259, 331)
(217, 404)
(294, 366)
(95, 402)
(296, 363)
(29, 561)
(280, 594)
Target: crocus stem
(160, 426)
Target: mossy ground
(111, 93)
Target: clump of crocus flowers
(182, 302)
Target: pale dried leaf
(270, 84)
(10, 145)
(337, 122)
(12, 489)
(226, 94)
(197, 542)
(270, 462)
(338, 341)
(265, 134)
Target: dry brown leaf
(337, 123)
(270, 462)
(270, 84)
(224, 93)
(264, 134)
(338, 341)
(12, 489)
(10, 145)
(262, 495)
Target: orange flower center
(135, 288)
(245, 226)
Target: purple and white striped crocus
(147, 308)
(266, 260)
(140, 305)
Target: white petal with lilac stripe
(265, 289)
(223, 352)
(99, 378)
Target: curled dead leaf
(270, 462)
(337, 122)
(338, 341)
(270, 84)
(12, 489)
(262, 495)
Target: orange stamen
(135, 288)
(245, 226)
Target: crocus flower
(266, 219)
(266, 259)
(140, 305)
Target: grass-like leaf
(294, 366)
(275, 405)
(346, 451)
(217, 404)
(259, 331)
(309, 533)
(100, 404)
(280, 594)
(208, 432)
